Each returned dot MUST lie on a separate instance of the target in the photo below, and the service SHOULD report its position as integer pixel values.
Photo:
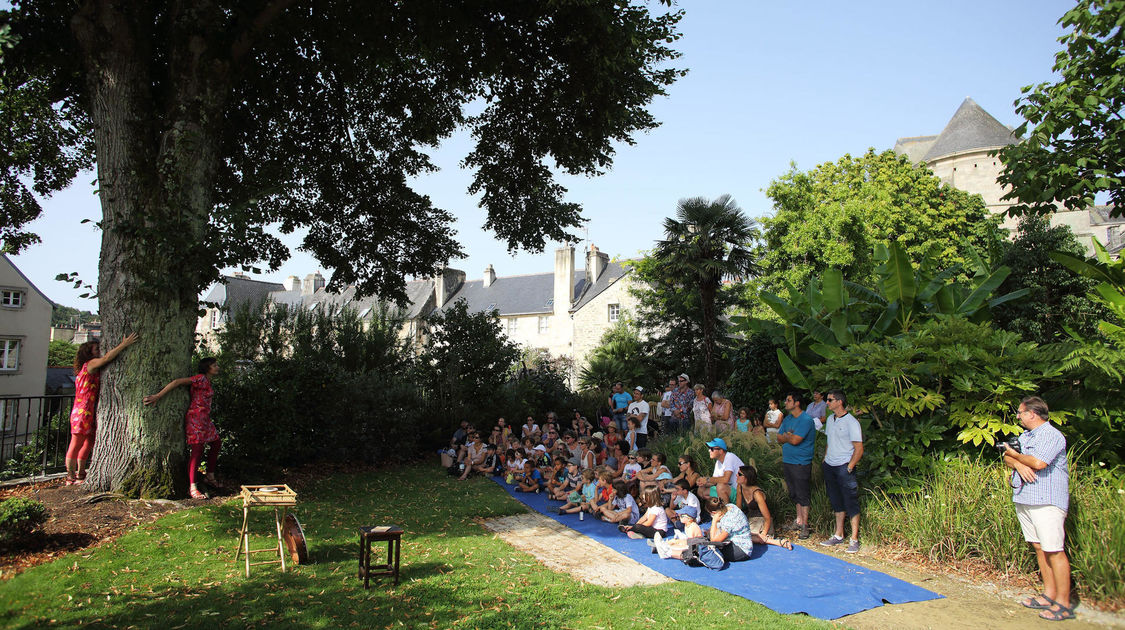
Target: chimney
(596, 263)
(292, 283)
(564, 280)
(489, 276)
(447, 282)
(313, 282)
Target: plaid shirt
(681, 402)
(1051, 487)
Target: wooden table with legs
(390, 533)
(277, 497)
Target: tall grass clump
(964, 512)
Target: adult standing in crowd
(845, 447)
(797, 436)
(1041, 493)
(199, 427)
(681, 403)
(818, 409)
(666, 406)
(88, 364)
(639, 409)
(723, 480)
(701, 409)
(619, 405)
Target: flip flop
(1031, 602)
(1062, 614)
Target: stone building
(25, 330)
(564, 311)
(961, 156)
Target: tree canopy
(1075, 146)
(833, 216)
(215, 124)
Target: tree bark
(707, 293)
(156, 160)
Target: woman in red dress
(88, 364)
(200, 429)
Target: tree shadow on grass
(301, 600)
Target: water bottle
(581, 515)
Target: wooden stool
(390, 533)
(276, 497)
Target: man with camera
(1040, 490)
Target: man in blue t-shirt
(797, 436)
(619, 405)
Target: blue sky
(769, 84)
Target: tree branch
(244, 41)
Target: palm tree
(706, 242)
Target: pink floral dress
(200, 429)
(83, 415)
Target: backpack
(702, 553)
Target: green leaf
(983, 290)
(792, 372)
(840, 329)
(898, 276)
(832, 284)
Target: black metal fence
(34, 435)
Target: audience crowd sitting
(606, 471)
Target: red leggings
(80, 446)
(197, 457)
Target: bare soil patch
(563, 549)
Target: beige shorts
(1043, 524)
(757, 523)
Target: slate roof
(970, 128)
(914, 148)
(60, 380)
(530, 294)
(238, 291)
(418, 293)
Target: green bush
(19, 517)
(964, 511)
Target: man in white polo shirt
(845, 447)
(1041, 491)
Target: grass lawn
(180, 572)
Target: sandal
(70, 481)
(1062, 614)
(785, 543)
(196, 494)
(1032, 602)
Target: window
(214, 318)
(11, 298)
(9, 354)
(614, 312)
(512, 325)
(8, 412)
(544, 324)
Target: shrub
(964, 511)
(19, 517)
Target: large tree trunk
(707, 294)
(155, 177)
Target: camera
(1012, 442)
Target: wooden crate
(254, 495)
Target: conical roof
(970, 128)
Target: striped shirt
(1051, 487)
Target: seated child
(654, 521)
(532, 478)
(658, 475)
(632, 467)
(612, 437)
(514, 464)
(742, 425)
(684, 501)
(491, 464)
(573, 483)
(672, 549)
(556, 476)
(622, 508)
(587, 499)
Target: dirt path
(966, 604)
(562, 549)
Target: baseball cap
(718, 443)
(640, 389)
(574, 460)
(541, 448)
(689, 510)
(598, 435)
(685, 377)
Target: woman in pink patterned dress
(88, 364)
(200, 429)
